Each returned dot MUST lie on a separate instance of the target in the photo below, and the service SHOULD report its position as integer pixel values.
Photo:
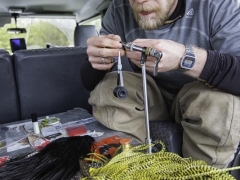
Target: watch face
(187, 62)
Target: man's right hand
(102, 49)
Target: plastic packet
(9, 137)
(78, 130)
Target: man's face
(151, 14)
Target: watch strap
(189, 50)
(188, 53)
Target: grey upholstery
(82, 33)
(49, 80)
(9, 107)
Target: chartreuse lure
(134, 164)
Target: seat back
(82, 33)
(49, 80)
(9, 106)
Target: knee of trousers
(212, 112)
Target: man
(198, 74)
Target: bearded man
(198, 74)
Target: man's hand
(172, 53)
(102, 49)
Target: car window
(57, 32)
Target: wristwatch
(188, 60)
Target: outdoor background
(57, 32)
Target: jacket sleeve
(91, 77)
(222, 68)
(222, 71)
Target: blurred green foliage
(38, 34)
(44, 32)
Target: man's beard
(161, 15)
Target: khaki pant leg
(211, 122)
(127, 115)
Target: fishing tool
(146, 51)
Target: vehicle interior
(65, 18)
(42, 47)
(20, 19)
